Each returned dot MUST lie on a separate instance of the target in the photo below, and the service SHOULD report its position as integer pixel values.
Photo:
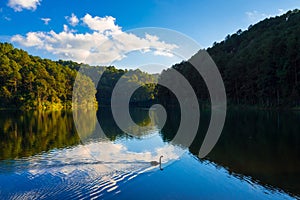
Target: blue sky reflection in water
(119, 167)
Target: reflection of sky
(106, 169)
(100, 166)
(103, 157)
(148, 143)
(190, 179)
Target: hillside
(30, 82)
(260, 66)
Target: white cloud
(101, 24)
(31, 39)
(73, 20)
(46, 20)
(103, 44)
(19, 5)
(255, 16)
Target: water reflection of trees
(28, 133)
(139, 115)
(264, 145)
(25, 134)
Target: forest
(259, 66)
(30, 82)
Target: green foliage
(259, 66)
(111, 75)
(84, 92)
(31, 82)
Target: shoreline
(203, 107)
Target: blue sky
(205, 21)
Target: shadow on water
(262, 145)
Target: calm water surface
(43, 155)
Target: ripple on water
(54, 176)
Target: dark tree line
(105, 78)
(146, 93)
(259, 66)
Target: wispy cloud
(73, 20)
(19, 5)
(103, 43)
(46, 20)
(256, 16)
(7, 18)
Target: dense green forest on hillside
(30, 82)
(105, 79)
(260, 66)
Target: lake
(43, 156)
